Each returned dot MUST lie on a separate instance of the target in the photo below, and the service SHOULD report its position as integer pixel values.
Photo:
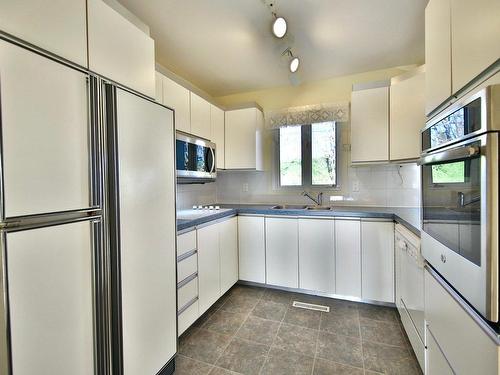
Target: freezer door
(50, 294)
(44, 110)
(146, 190)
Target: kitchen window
(308, 155)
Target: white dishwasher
(410, 288)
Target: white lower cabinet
(316, 255)
(377, 260)
(228, 242)
(436, 363)
(282, 253)
(468, 349)
(216, 263)
(187, 317)
(348, 257)
(208, 266)
(252, 249)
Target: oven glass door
(194, 160)
(451, 199)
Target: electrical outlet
(355, 186)
(245, 187)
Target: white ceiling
(226, 46)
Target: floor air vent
(310, 306)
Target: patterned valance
(308, 114)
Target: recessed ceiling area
(227, 46)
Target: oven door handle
(460, 153)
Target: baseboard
(318, 294)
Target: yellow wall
(326, 91)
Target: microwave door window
(200, 159)
(185, 156)
(452, 205)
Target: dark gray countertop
(409, 217)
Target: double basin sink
(301, 207)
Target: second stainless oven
(460, 181)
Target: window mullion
(306, 156)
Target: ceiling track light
(279, 26)
(294, 62)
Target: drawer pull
(187, 280)
(187, 306)
(180, 258)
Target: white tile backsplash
(378, 185)
(189, 195)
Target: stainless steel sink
(319, 208)
(289, 207)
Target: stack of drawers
(187, 280)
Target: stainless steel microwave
(195, 159)
(460, 200)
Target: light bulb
(294, 64)
(279, 27)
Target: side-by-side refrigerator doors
(50, 218)
(143, 232)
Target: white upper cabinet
(200, 117)
(316, 255)
(243, 146)
(370, 125)
(475, 33)
(58, 26)
(407, 115)
(177, 97)
(252, 249)
(45, 131)
(282, 253)
(119, 50)
(159, 87)
(217, 127)
(348, 258)
(377, 249)
(437, 53)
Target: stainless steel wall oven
(460, 204)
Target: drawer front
(187, 292)
(415, 341)
(186, 242)
(187, 317)
(461, 346)
(187, 267)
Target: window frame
(306, 160)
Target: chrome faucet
(462, 202)
(318, 200)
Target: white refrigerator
(58, 292)
(140, 136)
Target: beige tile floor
(257, 331)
